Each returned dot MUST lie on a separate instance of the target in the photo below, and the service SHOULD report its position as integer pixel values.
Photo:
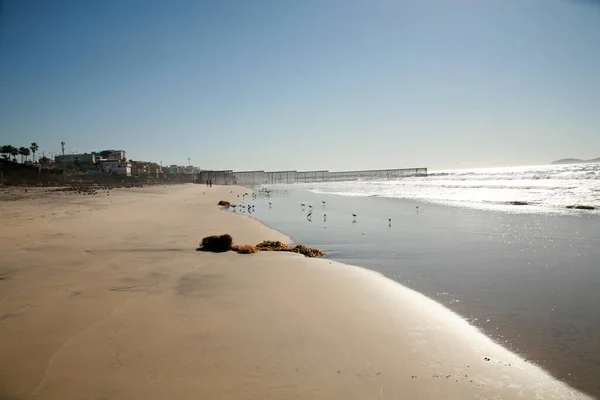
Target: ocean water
(528, 276)
(549, 188)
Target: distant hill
(574, 161)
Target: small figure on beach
(210, 183)
(390, 222)
(324, 217)
(324, 202)
(270, 205)
(309, 216)
(354, 215)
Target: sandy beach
(105, 297)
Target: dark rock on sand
(216, 244)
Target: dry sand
(104, 297)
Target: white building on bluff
(115, 167)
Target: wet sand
(104, 297)
(528, 280)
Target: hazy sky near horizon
(304, 84)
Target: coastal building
(174, 169)
(115, 167)
(75, 160)
(119, 155)
(143, 168)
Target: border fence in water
(252, 178)
(217, 177)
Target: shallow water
(530, 281)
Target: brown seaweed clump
(272, 245)
(517, 203)
(224, 203)
(582, 207)
(223, 243)
(216, 244)
(269, 245)
(244, 249)
(307, 251)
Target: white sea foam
(545, 188)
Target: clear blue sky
(305, 84)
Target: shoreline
(117, 290)
(504, 273)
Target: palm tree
(24, 151)
(5, 150)
(14, 152)
(34, 148)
